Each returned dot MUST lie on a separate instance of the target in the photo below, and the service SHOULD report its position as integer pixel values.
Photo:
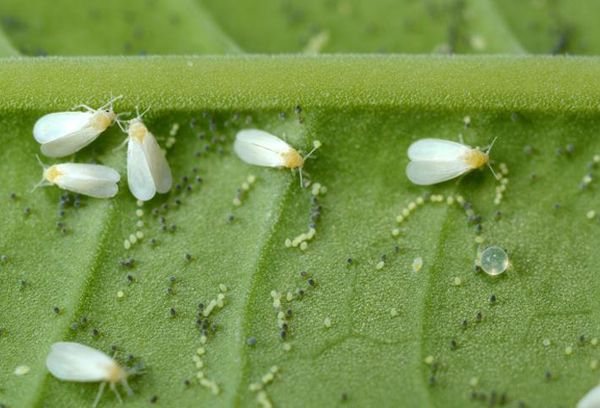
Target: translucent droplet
(494, 260)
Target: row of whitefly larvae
(64, 133)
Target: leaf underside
(360, 335)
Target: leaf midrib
(88, 276)
(452, 83)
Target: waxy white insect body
(63, 133)
(70, 361)
(437, 160)
(264, 149)
(591, 399)
(261, 148)
(93, 180)
(148, 171)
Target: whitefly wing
(436, 150)
(139, 176)
(70, 143)
(157, 162)
(93, 180)
(591, 399)
(76, 362)
(425, 173)
(260, 148)
(56, 125)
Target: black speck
(311, 282)
(548, 375)
(464, 323)
(56, 309)
(153, 399)
(493, 298)
(453, 345)
(188, 257)
(187, 382)
(478, 317)
(127, 263)
(251, 341)
(95, 333)
(570, 148)
(349, 261)
(172, 312)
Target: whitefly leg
(99, 395)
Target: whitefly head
(105, 116)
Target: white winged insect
(436, 160)
(93, 180)
(148, 171)
(69, 361)
(64, 133)
(591, 399)
(264, 149)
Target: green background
(366, 110)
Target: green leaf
(366, 111)
(137, 27)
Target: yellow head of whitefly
(102, 119)
(476, 159)
(292, 159)
(116, 373)
(137, 130)
(51, 174)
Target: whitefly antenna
(316, 145)
(42, 182)
(111, 102)
(141, 115)
(488, 151)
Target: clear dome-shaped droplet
(494, 260)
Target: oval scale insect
(436, 160)
(261, 148)
(71, 361)
(93, 180)
(63, 133)
(148, 171)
